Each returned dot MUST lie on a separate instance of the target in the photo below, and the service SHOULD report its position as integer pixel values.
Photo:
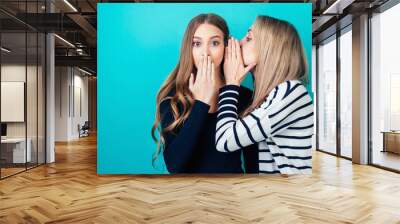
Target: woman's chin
(246, 63)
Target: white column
(50, 93)
(50, 100)
(360, 90)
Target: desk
(391, 141)
(16, 147)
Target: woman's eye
(196, 44)
(248, 39)
(215, 43)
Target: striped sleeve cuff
(228, 102)
(229, 87)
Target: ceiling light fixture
(84, 71)
(70, 5)
(64, 40)
(5, 50)
(337, 7)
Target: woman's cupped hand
(204, 86)
(234, 69)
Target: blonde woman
(187, 104)
(280, 118)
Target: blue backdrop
(138, 46)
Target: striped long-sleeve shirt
(282, 126)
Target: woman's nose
(206, 52)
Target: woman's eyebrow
(216, 36)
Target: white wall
(62, 81)
(16, 72)
(33, 127)
(13, 100)
(9, 73)
(70, 83)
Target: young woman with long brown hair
(187, 102)
(280, 117)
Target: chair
(84, 130)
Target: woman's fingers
(229, 49)
(209, 68)
(234, 49)
(226, 53)
(200, 67)
(204, 67)
(238, 52)
(213, 73)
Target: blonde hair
(178, 80)
(280, 57)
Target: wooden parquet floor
(70, 191)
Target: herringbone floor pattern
(69, 191)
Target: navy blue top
(190, 148)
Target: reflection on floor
(11, 169)
(386, 159)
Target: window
(346, 93)
(385, 89)
(327, 96)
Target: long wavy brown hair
(182, 99)
(281, 57)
